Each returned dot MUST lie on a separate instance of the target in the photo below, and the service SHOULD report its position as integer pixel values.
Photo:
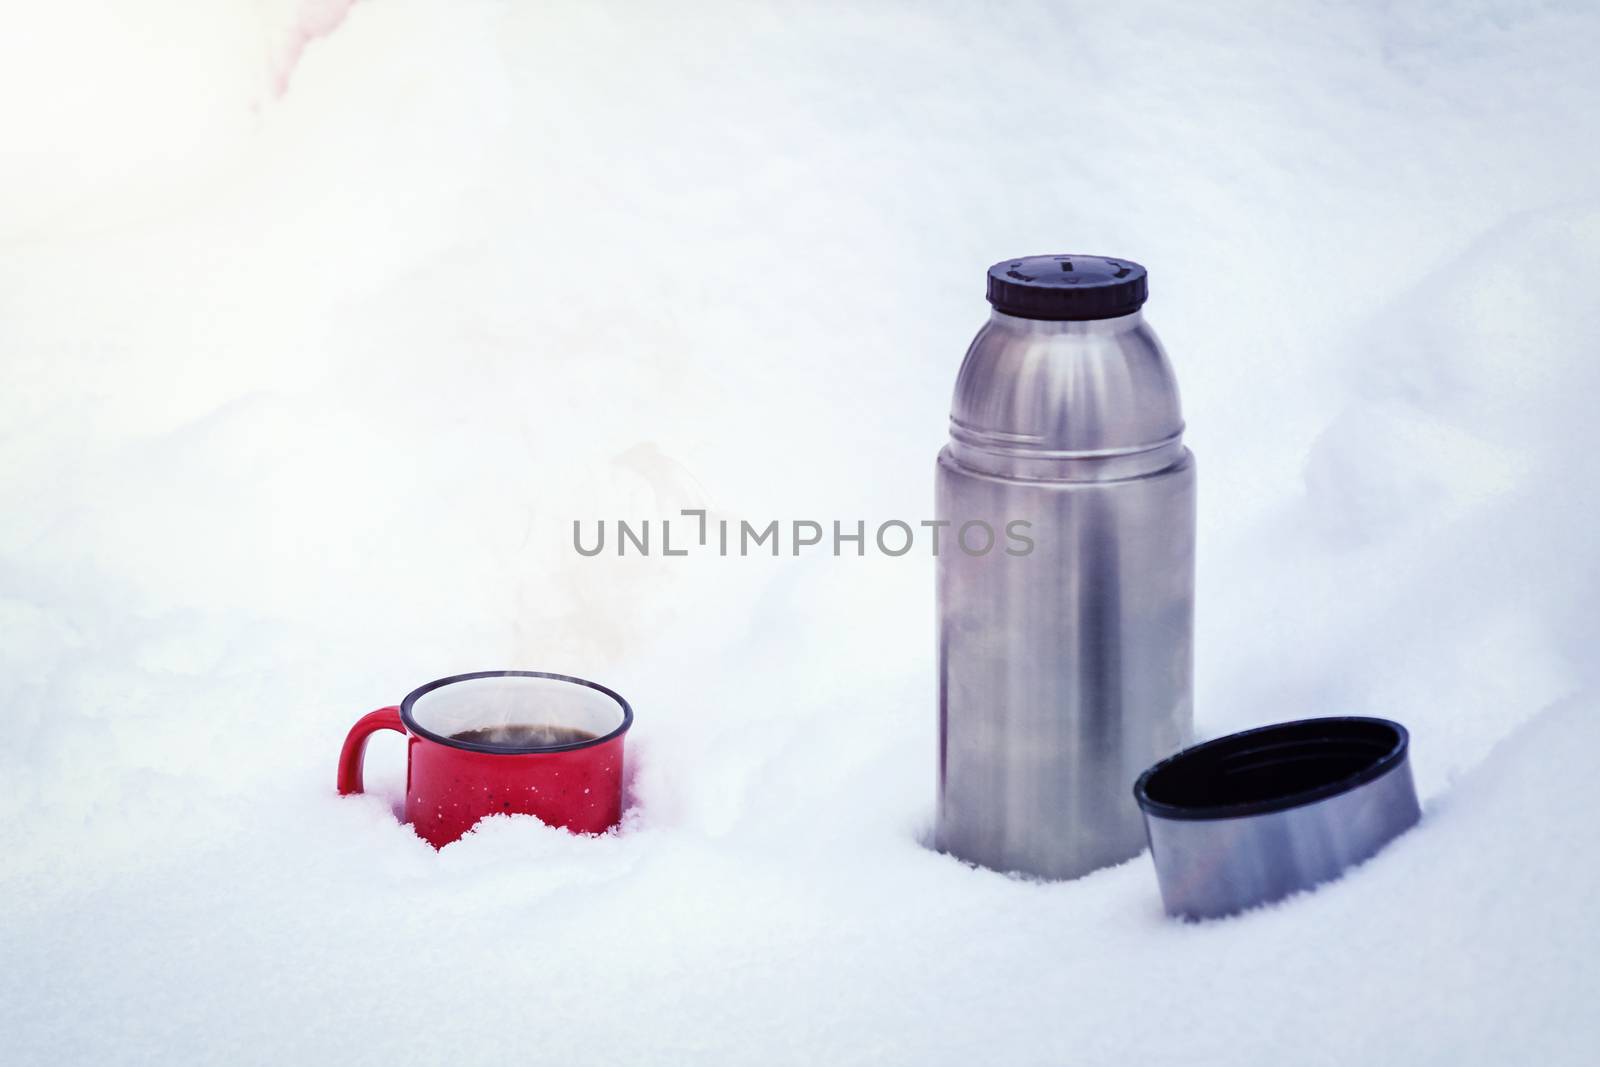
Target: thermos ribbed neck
(1064, 400)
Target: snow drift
(305, 388)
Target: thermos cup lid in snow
(1071, 288)
(1258, 815)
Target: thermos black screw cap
(1067, 288)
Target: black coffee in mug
(524, 735)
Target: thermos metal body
(1065, 669)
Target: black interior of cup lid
(1272, 768)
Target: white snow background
(319, 328)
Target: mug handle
(355, 745)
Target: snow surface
(320, 327)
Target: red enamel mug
(503, 743)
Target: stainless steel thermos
(1066, 580)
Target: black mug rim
(513, 750)
(1331, 731)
